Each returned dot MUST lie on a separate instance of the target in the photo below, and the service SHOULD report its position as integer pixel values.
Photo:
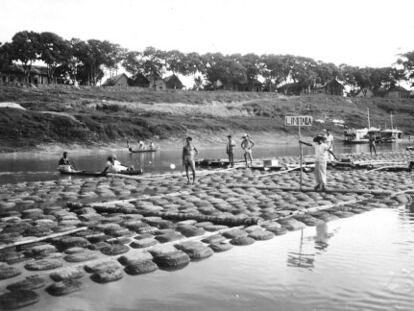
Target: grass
(112, 115)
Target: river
(34, 166)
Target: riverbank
(101, 117)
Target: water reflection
(310, 247)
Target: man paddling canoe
(65, 165)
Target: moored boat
(142, 150)
(99, 174)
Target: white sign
(298, 121)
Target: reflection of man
(322, 236)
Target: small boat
(142, 150)
(83, 173)
(391, 135)
(100, 174)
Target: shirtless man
(65, 165)
(189, 153)
(247, 145)
(230, 150)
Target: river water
(360, 263)
(31, 166)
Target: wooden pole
(301, 158)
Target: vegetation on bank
(101, 116)
(77, 61)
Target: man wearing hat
(230, 149)
(321, 155)
(247, 145)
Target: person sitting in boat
(114, 166)
(129, 147)
(64, 164)
(141, 145)
(152, 145)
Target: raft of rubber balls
(139, 226)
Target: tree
(5, 56)
(153, 62)
(176, 62)
(25, 48)
(407, 62)
(132, 62)
(54, 51)
(276, 69)
(251, 63)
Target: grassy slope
(108, 115)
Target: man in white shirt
(329, 142)
(321, 153)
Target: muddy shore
(106, 227)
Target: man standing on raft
(189, 153)
(247, 145)
(230, 150)
(321, 153)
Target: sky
(355, 32)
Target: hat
(229, 135)
(245, 135)
(189, 138)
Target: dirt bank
(101, 117)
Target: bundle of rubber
(309, 220)
(142, 243)
(292, 224)
(261, 235)
(126, 260)
(196, 250)
(110, 274)
(81, 256)
(277, 230)
(115, 249)
(28, 283)
(219, 247)
(214, 239)
(98, 246)
(169, 237)
(7, 272)
(101, 266)
(172, 260)
(242, 240)
(67, 273)
(234, 233)
(18, 299)
(43, 264)
(71, 241)
(190, 231)
(140, 267)
(64, 287)
(213, 228)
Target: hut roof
(113, 80)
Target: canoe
(83, 173)
(99, 174)
(141, 150)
